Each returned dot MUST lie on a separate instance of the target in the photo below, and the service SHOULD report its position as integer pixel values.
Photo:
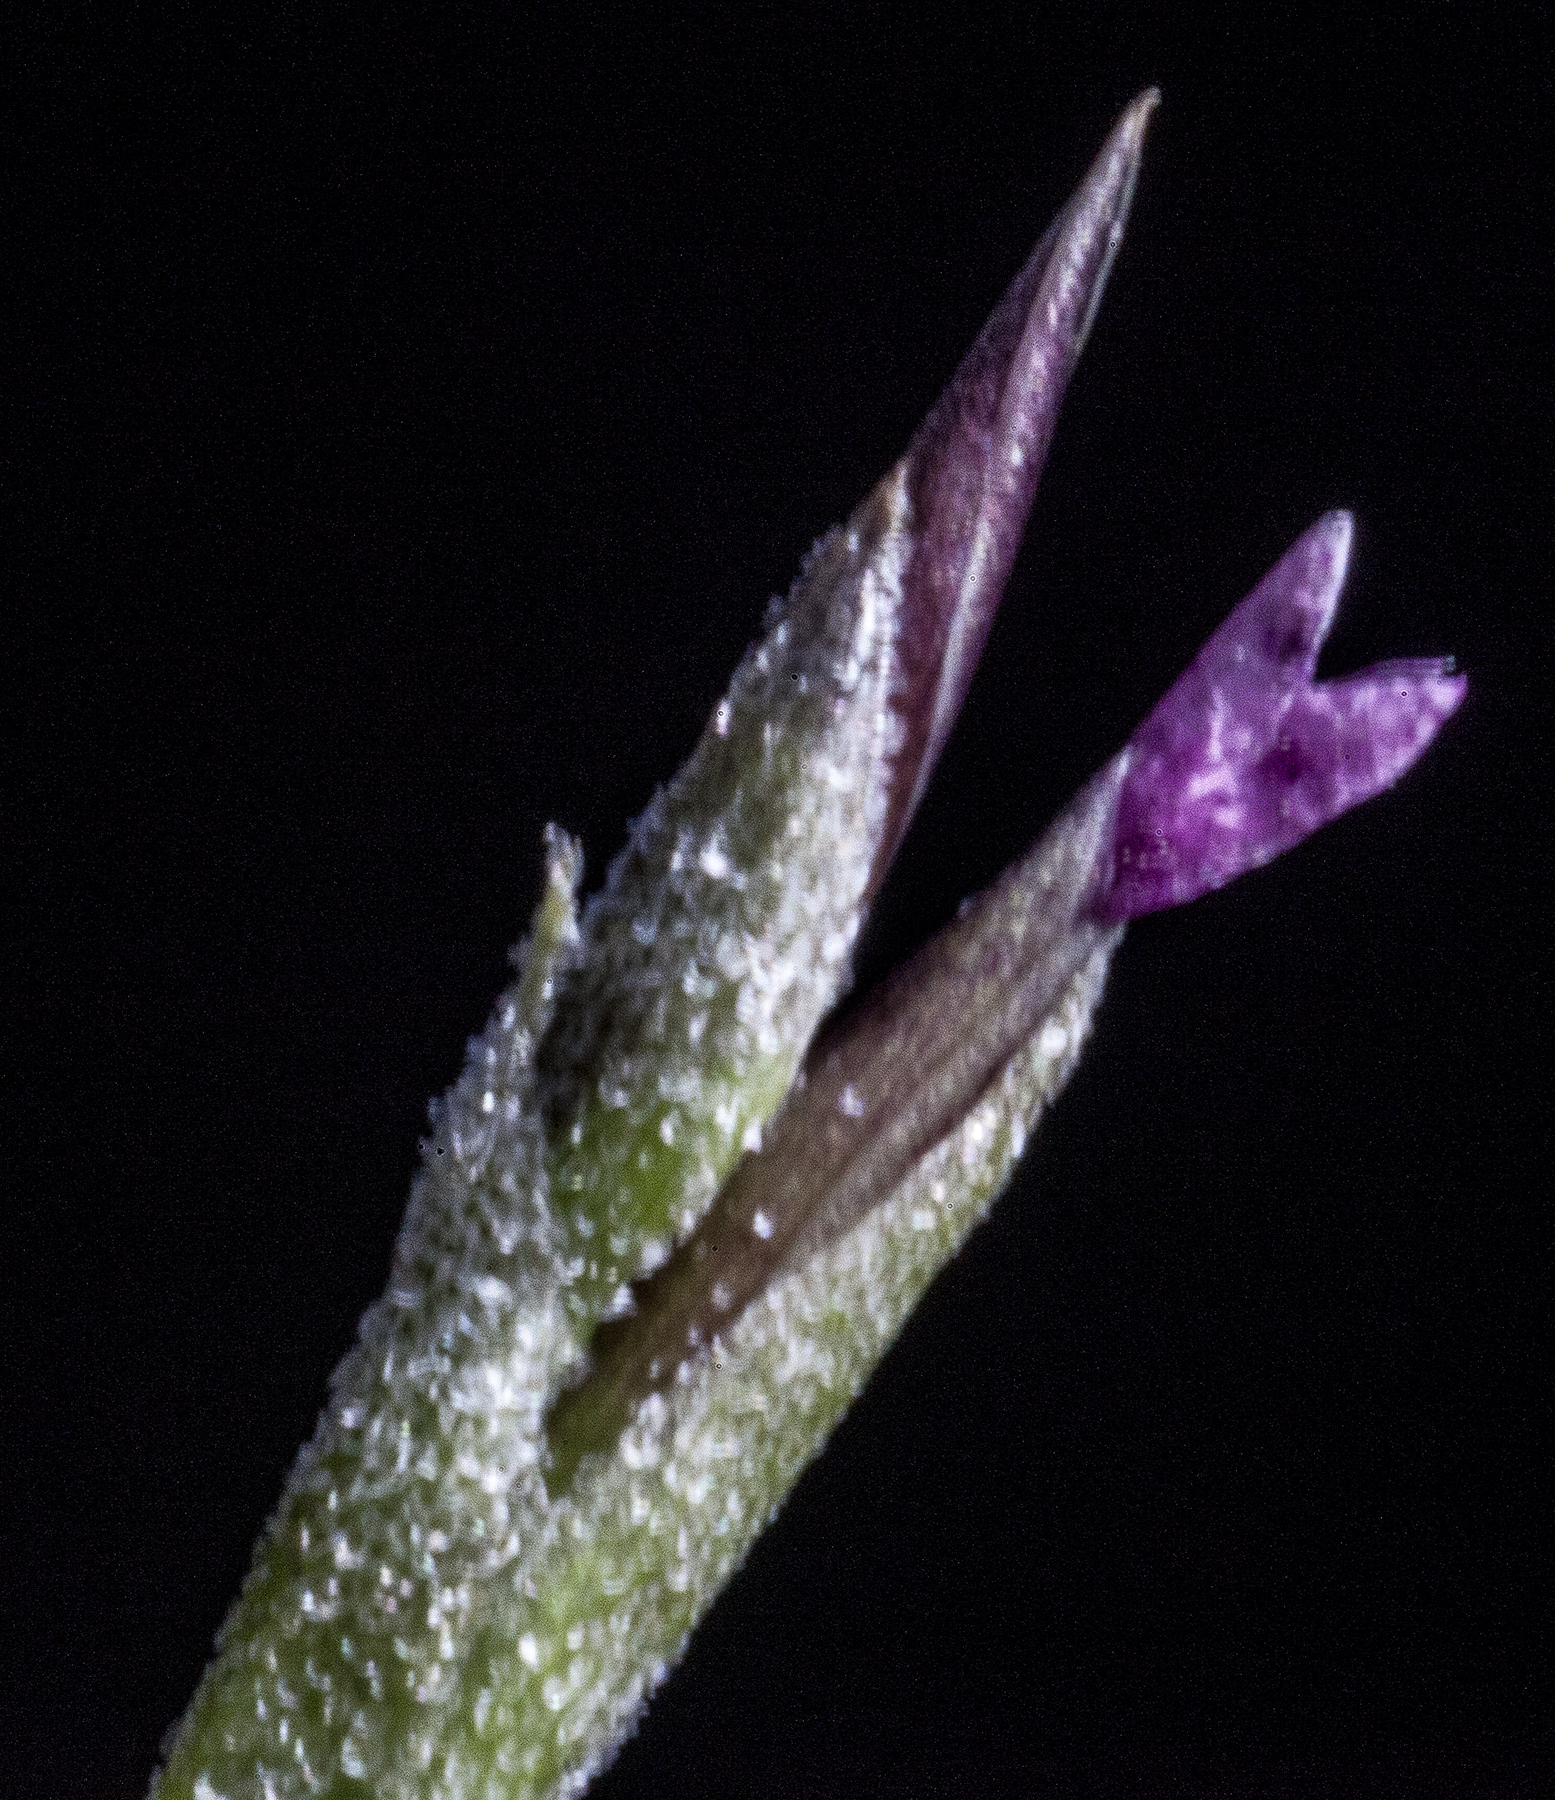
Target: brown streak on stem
(906, 1067)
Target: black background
(409, 419)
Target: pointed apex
(1275, 634)
(972, 469)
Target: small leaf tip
(971, 471)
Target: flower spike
(1242, 758)
(662, 1237)
(1246, 755)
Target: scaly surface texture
(434, 1611)
(660, 1239)
(674, 1019)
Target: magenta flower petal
(1246, 755)
(971, 469)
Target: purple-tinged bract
(972, 467)
(1246, 755)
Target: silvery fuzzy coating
(725, 928)
(414, 1621)
(420, 1500)
(344, 1647)
(647, 1535)
(1246, 755)
(428, 1616)
(893, 1078)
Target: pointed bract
(899, 1076)
(725, 929)
(972, 469)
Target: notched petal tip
(1344, 741)
(971, 470)
(1277, 631)
(1246, 755)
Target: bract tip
(972, 468)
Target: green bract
(618, 1323)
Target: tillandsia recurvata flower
(664, 1230)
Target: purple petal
(1246, 755)
(972, 468)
